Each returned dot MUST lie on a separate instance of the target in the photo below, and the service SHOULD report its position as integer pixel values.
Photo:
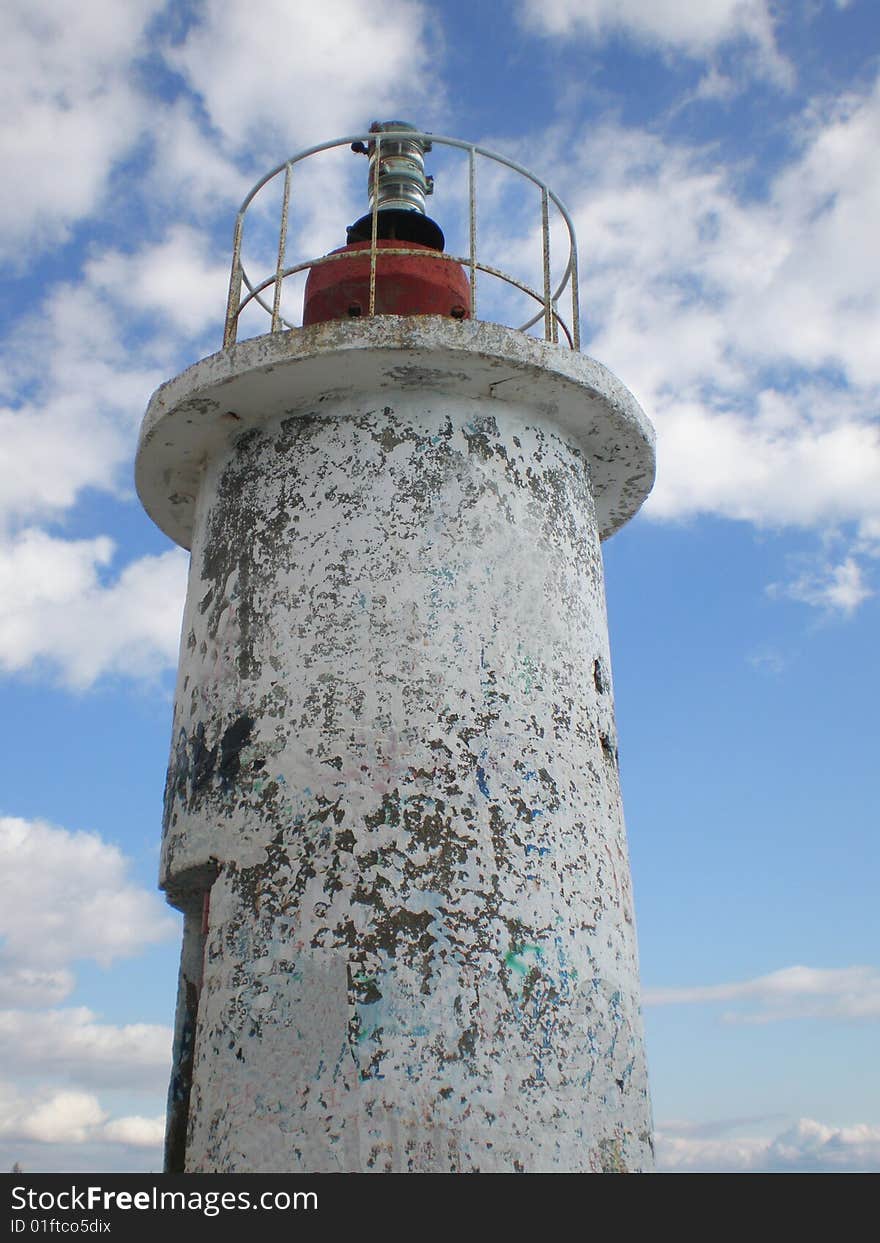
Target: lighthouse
(392, 817)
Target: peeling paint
(394, 742)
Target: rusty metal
(545, 256)
(472, 214)
(233, 302)
(409, 284)
(282, 246)
(548, 298)
(575, 337)
(434, 257)
(374, 222)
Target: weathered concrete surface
(394, 747)
(199, 413)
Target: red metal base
(405, 285)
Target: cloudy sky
(720, 162)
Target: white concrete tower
(393, 816)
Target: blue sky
(720, 163)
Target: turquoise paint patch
(514, 957)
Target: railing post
(374, 227)
(548, 299)
(472, 202)
(282, 246)
(545, 240)
(230, 331)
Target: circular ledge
(200, 411)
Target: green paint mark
(528, 669)
(514, 957)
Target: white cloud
(66, 896)
(136, 1131)
(65, 1117)
(792, 992)
(176, 278)
(189, 172)
(72, 1117)
(56, 612)
(868, 542)
(768, 659)
(681, 26)
(695, 284)
(836, 589)
(805, 1147)
(68, 110)
(818, 300)
(73, 1042)
(746, 326)
(76, 395)
(742, 467)
(52, 571)
(302, 72)
(714, 85)
(812, 1145)
(26, 986)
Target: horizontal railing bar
(256, 290)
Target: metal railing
(547, 298)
